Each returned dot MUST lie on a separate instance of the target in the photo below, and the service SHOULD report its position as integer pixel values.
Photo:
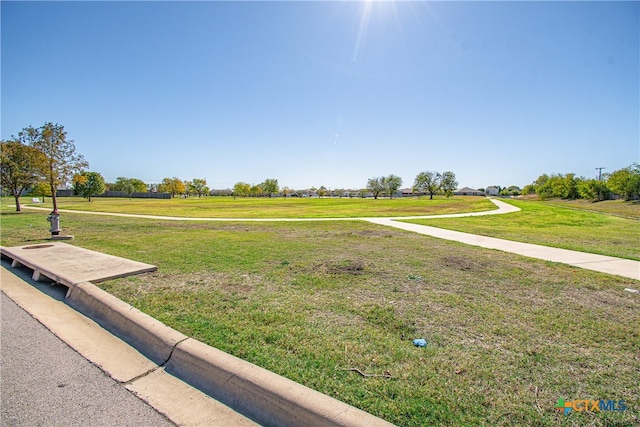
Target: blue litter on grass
(420, 342)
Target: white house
(492, 191)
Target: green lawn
(292, 207)
(507, 336)
(629, 209)
(556, 225)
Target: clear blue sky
(329, 93)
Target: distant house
(492, 191)
(466, 191)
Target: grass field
(507, 336)
(622, 208)
(227, 207)
(555, 224)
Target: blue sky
(329, 93)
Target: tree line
(624, 183)
(86, 184)
(428, 182)
(40, 160)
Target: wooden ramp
(67, 264)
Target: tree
(551, 186)
(188, 188)
(427, 182)
(570, 186)
(542, 179)
(256, 190)
(514, 190)
(375, 186)
(199, 186)
(61, 159)
(165, 186)
(545, 191)
(557, 185)
(20, 168)
(626, 182)
(129, 185)
(392, 184)
(87, 184)
(593, 190)
(123, 184)
(172, 185)
(241, 189)
(41, 189)
(322, 191)
(448, 183)
(270, 186)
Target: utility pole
(599, 173)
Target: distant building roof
(467, 190)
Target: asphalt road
(43, 382)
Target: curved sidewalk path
(601, 263)
(604, 264)
(502, 208)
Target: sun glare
(364, 21)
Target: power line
(600, 173)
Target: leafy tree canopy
(20, 168)
(129, 185)
(241, 189)
(626, 181)
(270, 186)
(87, 184)
(199, 186)
(61, 160)
(391, 184)
(375, 186)
(174, 186)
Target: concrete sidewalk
(604, 264)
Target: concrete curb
(151, 337)
(257, 393)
